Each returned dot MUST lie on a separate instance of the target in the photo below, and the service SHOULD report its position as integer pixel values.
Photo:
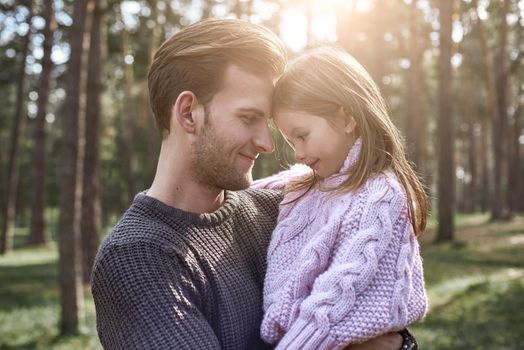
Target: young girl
(343, 262)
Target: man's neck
(189, 197)
(175, 186)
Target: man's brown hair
(195, 58)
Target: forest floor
(475, 287)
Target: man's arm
(145, 299)
(402, 340)
(389, 341)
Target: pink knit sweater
(341, 268)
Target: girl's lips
(311, 165)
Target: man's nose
(264, 140)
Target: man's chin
(241, 185)
(236, 183)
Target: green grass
(29, 308)
(475, 286)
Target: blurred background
(77, 142)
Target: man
(184, 267)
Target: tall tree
(39, 153)
(90, 222)
(515, 164)
(485, 197)
(502, 211)
(128, 120)
(416, 121)
(71, 190)
(6, 239)
(446, 164)
(498, 120)
(515, 194)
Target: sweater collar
(350, 161)
(174, 214)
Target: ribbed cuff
(306, 336)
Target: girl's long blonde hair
(325, 79)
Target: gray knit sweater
(169, 279)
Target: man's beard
(210, 162)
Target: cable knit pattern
(279, 180)
(342, 268)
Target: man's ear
(183, 111)
(349, 121)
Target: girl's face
(321, 145)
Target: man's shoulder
(136, 226)
(137, 232)
(260, 202)
(262, 197)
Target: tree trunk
(6, 239)
(128, 122)
(446, 164)
(485, 203)
(90, 222)
(514, 164)
(472, 195)
(515, 201)
(38, 224)
(498, 121)
(502, 103)
(416, 123)
(70, 273)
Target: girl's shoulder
(280, 180)
(384, 184)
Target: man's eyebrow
(256, 111)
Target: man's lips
(249, 157)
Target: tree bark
(416, 121)
(38, 224)
(471, 199)
(446, 164)
(503, 212)
(6, 239)
(70, 274)
(515, 193)
(485, 202)
(494, 102)
(514, 166)
(90, 222)
(128, 122)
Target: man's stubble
(210, 161)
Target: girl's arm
(279, 180)
(365, 291)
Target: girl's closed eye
(302, 137)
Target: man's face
(235, 132)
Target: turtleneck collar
(350, 161)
